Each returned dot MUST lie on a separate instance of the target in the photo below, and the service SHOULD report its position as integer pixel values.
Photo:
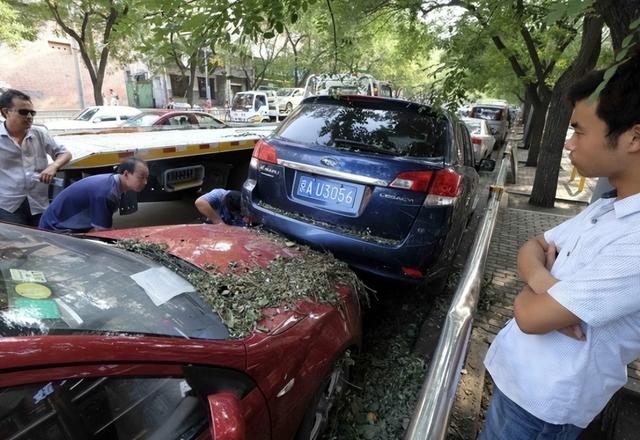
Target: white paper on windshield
(29, 276)
(161, 284)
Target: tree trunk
(618, 14)
(193, 65)
(546, 180)
(526, 109)
(537, 126)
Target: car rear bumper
(386, 258)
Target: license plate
(327, 192)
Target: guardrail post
(512, 177)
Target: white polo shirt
(560, 379)
(19, 162)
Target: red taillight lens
(446, 183)
(265, 152)
(412, 180)
(411, 272)
(476, 141)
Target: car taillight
(445, 188)
(265, 152)
(476, 141)
(412, 181)
(412, 272)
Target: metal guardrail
(431, 417)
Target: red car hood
(205, 244)
(219, 245)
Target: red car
(99, 342)
(174, 119)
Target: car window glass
(56, 284)
(368, 126)
(208, 121)
(180, 120)
(467, 156)
(108, 118)
(487, 113)
(143, 120)
(458, 157)
(105, 408)
(474, 127)
(87, 114)
(242, 102)
(260, 101)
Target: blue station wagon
(384, 184)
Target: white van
(496, 113)
(254, 106)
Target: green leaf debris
(240, 293)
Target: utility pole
(75, 49)
(206, 77)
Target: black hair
(129, 164)
(619, 101)
(6, 99)
(232, 200)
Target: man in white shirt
(577, 320)
(24, 154)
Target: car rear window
(487, 113)
(368, 125)
(474, 127)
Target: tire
(324, 403)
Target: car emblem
(329, 161)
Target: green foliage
(15, 25)
(241, 292)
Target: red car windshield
(56, 284)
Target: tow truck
(180, 161)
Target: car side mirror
(97, 120)
(227, 421)
(487, 165)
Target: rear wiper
(365, 147)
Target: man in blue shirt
(89, 204)
(221, 205)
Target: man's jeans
(507, 421)
(22, 215)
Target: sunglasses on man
(23, 112)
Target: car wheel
(288, 107)
(324, 402)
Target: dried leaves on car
(239, 294)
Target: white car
(101, 116)
(288, 99)
(481, 138)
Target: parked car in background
(185, 106)
(174, 119)
(101, 116)
(385, 184)
(102, 343)
(481, 138)
(496, 113)
(288, 99)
